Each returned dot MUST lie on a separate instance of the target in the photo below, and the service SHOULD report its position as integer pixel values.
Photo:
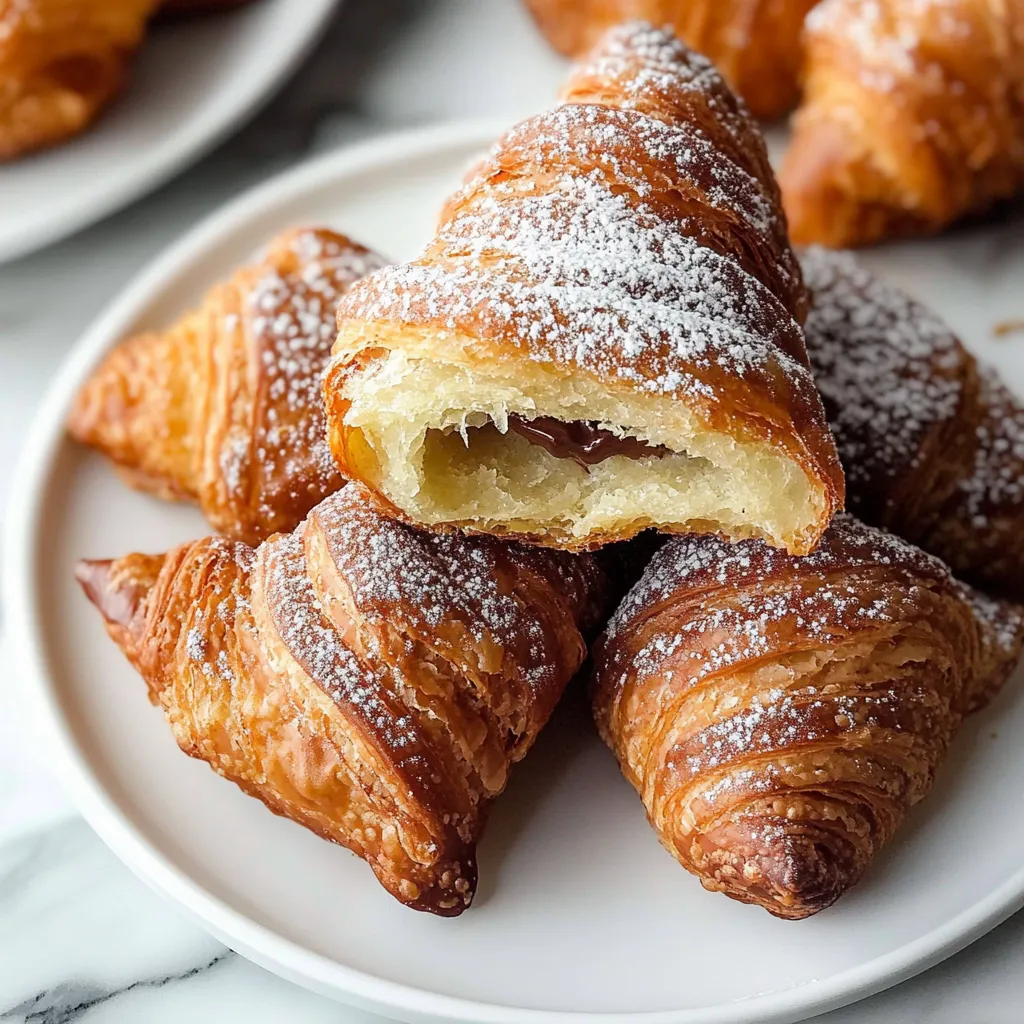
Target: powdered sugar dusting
(318, 648)
(888, 369)
(642, 62)
(581, 276)
(289, 321)
(708, 561)
(995, 486)
(557, 245)
(1001, 622)
(622, 146)
(403, 576)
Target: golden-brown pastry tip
(372, 682)
(224, 408)
(779, 716)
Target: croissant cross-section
(370, 681)
(602, 337)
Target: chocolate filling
(585, 443)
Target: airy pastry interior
(434, 435)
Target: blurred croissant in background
(754, 43)
(912, 118)
(61, 63)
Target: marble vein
(72, 1000)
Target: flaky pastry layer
(620, 261)
(373, 682)
(779, 716)
(410, 435)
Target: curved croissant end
(779, 716)
(138, 407)
(797, 870)
(121, 590)
(224, 407)
(372, 682)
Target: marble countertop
(80, 937)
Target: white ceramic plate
(579, 911)
(191, 83)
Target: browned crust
(754, 43)
(910, 119)
(61, 64)
(221, 408)
(779, 716)
(295, 671)
(600, 137)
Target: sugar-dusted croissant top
(372, 681)
(779, 716)
(933, 443)
(627, 253)
(224, 407)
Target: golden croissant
(779, 716)
(224, 408)
(933, 444)
(370, 681)
(912, 118)
(61, 63)
(754, 43)
(601, 336)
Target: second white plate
(190, 84)
(580, 911)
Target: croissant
(224, 408)
(780, 715)
(754, 43)
(61, 63)
(933, 445)
(368, 680)
(913, 117)
(601, 337)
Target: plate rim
(288, 959)
(198, 139)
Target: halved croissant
(933, 444)
(779, 715)
(224, 408)
(754, 43)
(370, 681)
(601, 336)
(61, 63)
(912, 117)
